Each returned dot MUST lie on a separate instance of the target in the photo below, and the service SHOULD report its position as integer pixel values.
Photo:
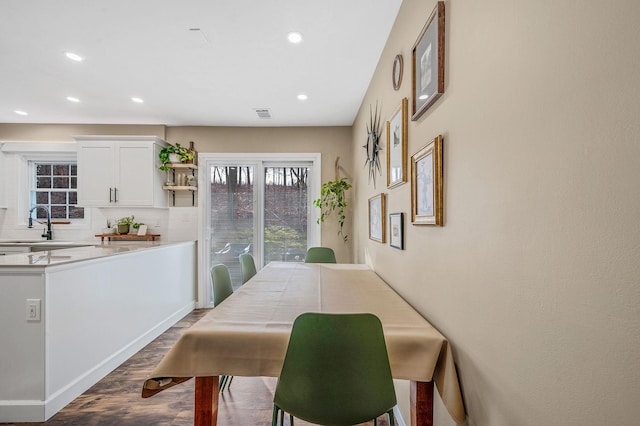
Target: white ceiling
(238, 61)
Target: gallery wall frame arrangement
(397, 145)
(377, 218)
(427, 63)
(427, 185)
(396, 230)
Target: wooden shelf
(180, 188)
(128, 237)
(182, 166)
(187, 169)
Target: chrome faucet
(47, 232)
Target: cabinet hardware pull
(110, 190)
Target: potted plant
(108, 229)
(185, 154)
(332, 198)
(124, 223)
(175, 154)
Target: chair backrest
(336, 370)
(247, 267)
(221, 282)
(320, 255)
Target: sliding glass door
(261, 206)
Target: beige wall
(64, 132)
(535, 275)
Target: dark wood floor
(115, 400)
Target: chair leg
(230, 379)
(392, 420)
(274, 418)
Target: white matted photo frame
(427, 63)
(396, 230)
(377, 216)
(427, 185)
(397, 145)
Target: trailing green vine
(332, 198)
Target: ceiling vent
(264, 113)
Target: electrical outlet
(33, 309)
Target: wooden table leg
(421, 403)
(206, 401)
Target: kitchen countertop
(75, 254)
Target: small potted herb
(108, 229)
(124, 223)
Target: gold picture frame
(427, 63)
(427, 185)
(397, 145)
(377, 218)
(396, 72)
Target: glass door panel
(232, 216)
(286, 208)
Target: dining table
(248, 334)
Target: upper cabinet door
(119, 171)
(134, 178)
(96, 162)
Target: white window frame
(23, 155)
(258, 160)
(32, 184)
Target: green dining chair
(320, 255)
(222, 288)
(325, 349)
(247, 267)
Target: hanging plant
(332, 198)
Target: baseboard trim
(40, 411)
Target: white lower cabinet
(120, 171)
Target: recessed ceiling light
(294, 37)
(302, 97)
(72, 99)
(74, 56)
(20, 112)
(137, 100)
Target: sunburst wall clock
(373, 144)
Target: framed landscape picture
(377, 215)
(397, 146)
(426, 185)
(427, 63)
(396, 230)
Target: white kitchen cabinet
(120, 171)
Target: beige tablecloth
(247, 334)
